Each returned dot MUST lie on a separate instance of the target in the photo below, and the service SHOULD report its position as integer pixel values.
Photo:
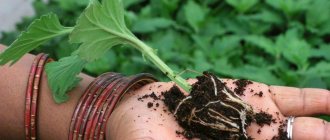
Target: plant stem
(151, 55)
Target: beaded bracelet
(95, 106)
(32, 93)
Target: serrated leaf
(39, 32)
(289, 7)
(62, 76)
(262, 42)
(150, 25)
(268, 16)
(321, 69)
(201, 61)
(103, 64)
(100, 27)
(317, 18)
(247, 72)
(194, 14)
(71, 4)
(322, 51)
(242, 5)
(227, 45)
(294, 49)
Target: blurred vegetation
(282, 42)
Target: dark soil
(212, 110)
(152, 95)
(263, 118)
(282, 134)
(150, 104)
(260, 94)
(240, 86)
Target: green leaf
(128, 3)
(194, 14)
(227, 45)
(72, 4)
(268, 16)
(317, 16)
(294, 49)
(323, 51)
(262, 42)
(62, 76)
(201, 62)
(151, 25)
(242, 5)
(247, 72)
(39, 32)
(289, 7)
(100, 27)
(314, 82)
(102, 65)
(321, 69)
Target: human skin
(132, 119)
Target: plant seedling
(100, 27)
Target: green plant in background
(282, 42)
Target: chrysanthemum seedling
(210, 109)
(99, 28)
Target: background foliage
(282, 42)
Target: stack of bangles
(94, 107)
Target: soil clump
(212, 110)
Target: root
(212, 109)
(183, 100)
(215, 86)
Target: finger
(306, 128)
(301, 101)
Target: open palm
(134, 118)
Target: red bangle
(106, 93)
(32, 93)
(28, 96)
(87, 115)
(84, 103)
(72, 129)
(115, 94)
(95, 106)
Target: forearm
(53, 119)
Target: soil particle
(263, 118)
(259, 131)
(207, 113)
(260, 94)
(157, 104)
(152, 95)
(241, 84)
(282, 134)
(150, 104)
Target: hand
(132, 119)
